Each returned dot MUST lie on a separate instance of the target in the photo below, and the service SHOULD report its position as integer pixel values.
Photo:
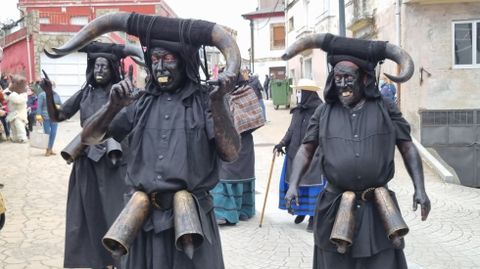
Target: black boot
(310, 225)
(299, 219)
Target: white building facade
(304, 17)
(268, 32)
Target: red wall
(15, 60)
(16, 56)
(57, 16)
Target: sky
(225, 12)
(9, 10)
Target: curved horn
(107, 23)
(119, 22)
(136, 53)
(308, 42)
(52, 55)
(341, 45)
(139, 61)
(228, 47)
(403, 59)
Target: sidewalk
(36, 187)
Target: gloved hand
(278, 148)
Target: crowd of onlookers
(19, 108)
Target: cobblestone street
(36, 187)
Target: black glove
(279, 148)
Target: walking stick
(266, 193)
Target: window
(307, 68)
(44, 20)
(466, 44)
(79, 20)
(291, 25)
(277, 36)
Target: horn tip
(51, 55)
(285, 56)
(395, 78)
(57, 50)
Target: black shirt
(171, 141)
(356, 149)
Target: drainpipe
(28, 56)
(341, 18)
(287, 30)
(252, 50)
(398, 31)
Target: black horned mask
(364, 53)
(192, 32)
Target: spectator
(17, 104)
(3, 116)
(49, 127)
(234, 195)
(388, 90)
(256, 86)
(266, 86)
(312, 183)
(31, 109)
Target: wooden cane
(268, 187)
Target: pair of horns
(365, 49)
(163, 28)
(121, 51)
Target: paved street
(36, 186)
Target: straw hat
(306, 84)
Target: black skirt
(95, 198)
(157, 250)
(370, 243)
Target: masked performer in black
(352, 138)
(97, 187)
(176, 130)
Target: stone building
(50, 23)
(443, 38)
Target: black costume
(355, 152)
(96, 186)
(292, 140)
(173, 143)
(167, 129)
(312, 182)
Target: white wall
(319, 16)
(264, 56)
(262, 38)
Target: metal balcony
(429, 2)
(360, 14)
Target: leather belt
(164, 200)
(161, 200)
(363, 195)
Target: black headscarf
(364, 53)
(309, 100)
(112, 52)
(367, 69)
(188, 52)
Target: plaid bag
(246, 110)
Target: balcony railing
(60, 18)
(426, 2)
